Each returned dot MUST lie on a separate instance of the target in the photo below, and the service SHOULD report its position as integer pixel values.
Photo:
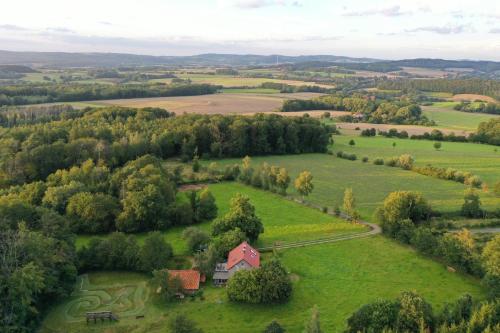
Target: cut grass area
(372, 183)
(444, 116)
(337, 277)
(284, 220)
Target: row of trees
(36, 93)
(410, 312)
(492, 108)
(459, 86)
(114, 136)
(404, 216)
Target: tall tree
(303, 183)
(241, 215)
(282, 180)
(350, 204)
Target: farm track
(487, 230)
(374, 230)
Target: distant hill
(17, 69)
(62, 59)
(483, 66)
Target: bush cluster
(466, 178)
(347, 156)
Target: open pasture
(213, 104)
(372, 183)
(337, 277)
(481, 160)
(458, 121)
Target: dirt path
(374, 230)
(490, 230)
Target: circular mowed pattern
(123, 299)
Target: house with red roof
(189, 278)
(241, 257)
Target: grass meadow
(445, 116)
(337, 277)
(372, 183)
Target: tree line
(405, 216)
(113, 136)
(458, 86)
(491, 108)
(410, 312)
(35, 93)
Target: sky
(383, 29)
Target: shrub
(392, 162)
(405, 161)
(364, 159)
(378, 161)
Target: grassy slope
(444, 115)
(283, 220)
(370, 183)
(478, 159)
(337, 277)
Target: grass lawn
(283, 220)
(338, 277)
(444, 116)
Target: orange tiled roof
(189, 277)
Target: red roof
(189, 277)
(243, 252)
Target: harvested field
(411, 129)
(214, 104)
(473, 97)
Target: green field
(479, 159)
(372, 183)
(284, 220)
(444, 116)
(250, 91)
(338, 277)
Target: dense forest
(49, 93)
(471, 86)
(114, 136)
